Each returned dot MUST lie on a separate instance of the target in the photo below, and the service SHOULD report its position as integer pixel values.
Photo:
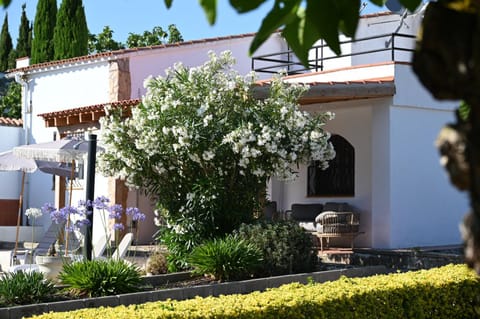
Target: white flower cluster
(204, 121)
(33, 212)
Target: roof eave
(328, 92)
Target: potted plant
(71, 219)
(51, 261)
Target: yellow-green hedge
(451, 291)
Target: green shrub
(21, 288)
(95, 278)
(286, 247)
(442, 293)
(203, 145)
(226, 259)
(157, 263)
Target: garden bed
(190, 291)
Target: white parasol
(10, 162)
(65, 150)
(68, 150)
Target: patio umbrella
(10, 162)
(65, 150)
(69, 149)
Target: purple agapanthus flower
(48, 208)
(58, 216)
(70, 210)
(70, 228)
(101, 202)
(82, 222)
(118, 226)
(85, 206)
(115, 211)
(136, 214)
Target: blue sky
(125, 16)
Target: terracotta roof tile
(109, 54)
(6, 121)
(376, 14)
(363, 81)
(85, 114)
(89, 108)
(155, 47)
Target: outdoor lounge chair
(122, 248)
(25, 268)
(99, 247)
(26, 256)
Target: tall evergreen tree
(6, 45)
(24, 41)
(43, 29)
(71, 31)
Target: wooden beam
(73, 119)
(85, 117)
(50, 122)
(60, 121)
(97, 115)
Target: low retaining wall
(227, 288)
(408, 260)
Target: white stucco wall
(425, 209)
(353, 121)
(381, 165)
(10, 182)
(401, 191)
(382, 27)
(154, 63)
(53, 90)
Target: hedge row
(451, 291)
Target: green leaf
(243, 6)
(168, 3)
(281, 14)
(5, 3)
(348, 11)
(324, 17)
(411, 5)
(301, 36)
(210, 8)
(378, 2)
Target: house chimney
(23, 62)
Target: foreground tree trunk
(447, 62)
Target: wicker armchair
(337, 220)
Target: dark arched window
(339, 178)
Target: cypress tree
(71, 31)
(43, 28)
(24, 41)
(12, 59)
(6, 45)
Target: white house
(11, 132)
(70, 96)
(382, 112)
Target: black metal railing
(374, 49)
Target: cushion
(306, 212)
(308, 226)
(337, 207)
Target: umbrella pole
(72, 175)
(20, 204)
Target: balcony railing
(380, 48)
